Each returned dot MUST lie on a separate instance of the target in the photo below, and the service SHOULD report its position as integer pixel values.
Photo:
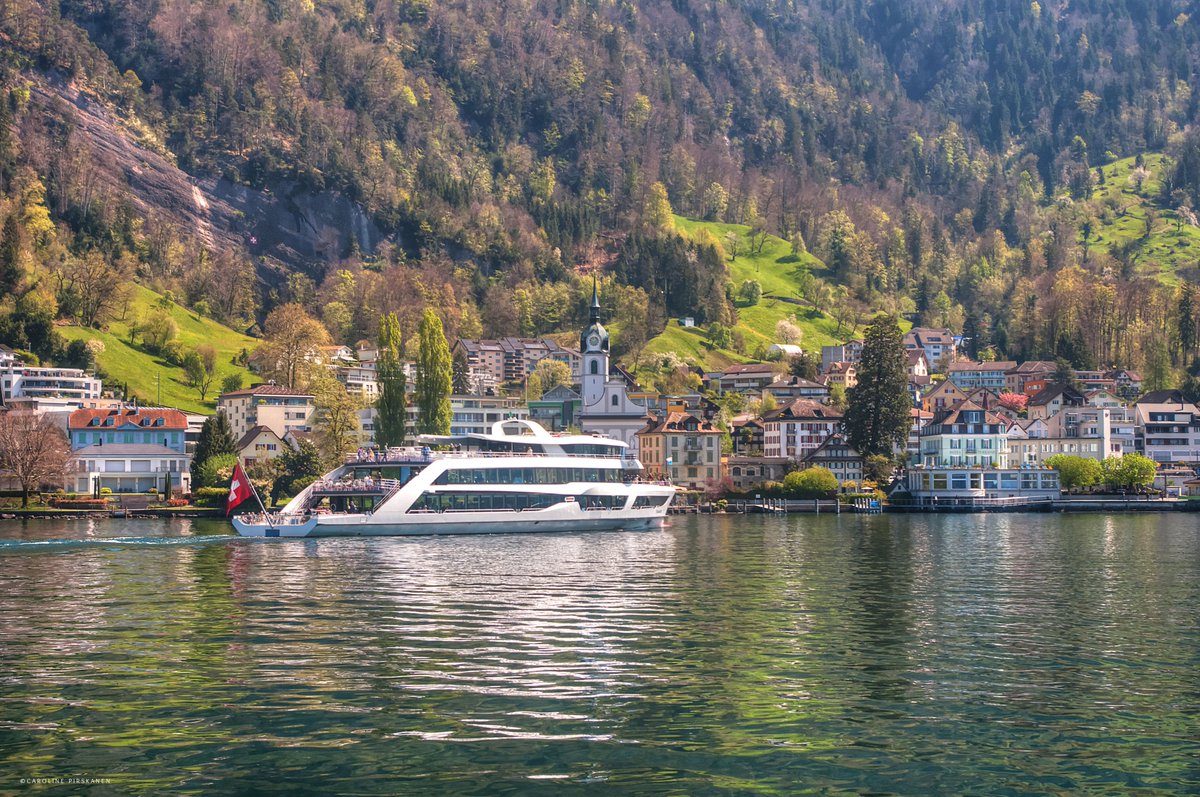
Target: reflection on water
(894, 655)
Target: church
(607, 408)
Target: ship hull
(462, 523)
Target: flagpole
(254, 490)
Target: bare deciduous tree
(33, 450)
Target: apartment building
(278, 408)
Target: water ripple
(989, 655)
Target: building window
(615, 400)
(595, 367)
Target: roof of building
(1035, 367)
(1162, 397)
(915, 356)
(925, 335)
(825, 450)
(840, 368)
(1050, 392)
(265, 390)
(561, 393)
(953, 415)
(982, 396)
(1145, 408)
(249, 436)
(135, 416)
(804, 408)
(945, 386)
(679, 422)
(748, 368)
(971, 365)
(297, 436)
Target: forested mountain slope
(941, 158)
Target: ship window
(587, 502)
(483, 502)
(644, 501)
(528, 475)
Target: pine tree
(461, 374)
(1187, 320)
(216, 439)
(10, 255)
(878, 415)
(392, 405)
(434, 378)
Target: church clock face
(594, 340)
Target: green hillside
(145, 373)
(779, 272)
(1121, 210)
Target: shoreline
(1105, 504)
(49, 513)
(1113, 505)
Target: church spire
(595, 337)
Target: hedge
(79, 503)
(210, 496)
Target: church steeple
(593, 345)
(595, 337)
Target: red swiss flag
(239, 489)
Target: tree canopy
(434, 378)
(879, 412)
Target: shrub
(105, 491)
(849, 498)
(175, 502)
(210, 496)
(216, 470)
(79, 503)
(810, 483)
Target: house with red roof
(128, 450)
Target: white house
(1168, 431)
(128, 450)
(18, 381)
(799, 428)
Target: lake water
(915, 655)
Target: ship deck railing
(259, 519)
(355, 487)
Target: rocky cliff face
(285, 229)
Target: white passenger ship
(518, 478)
